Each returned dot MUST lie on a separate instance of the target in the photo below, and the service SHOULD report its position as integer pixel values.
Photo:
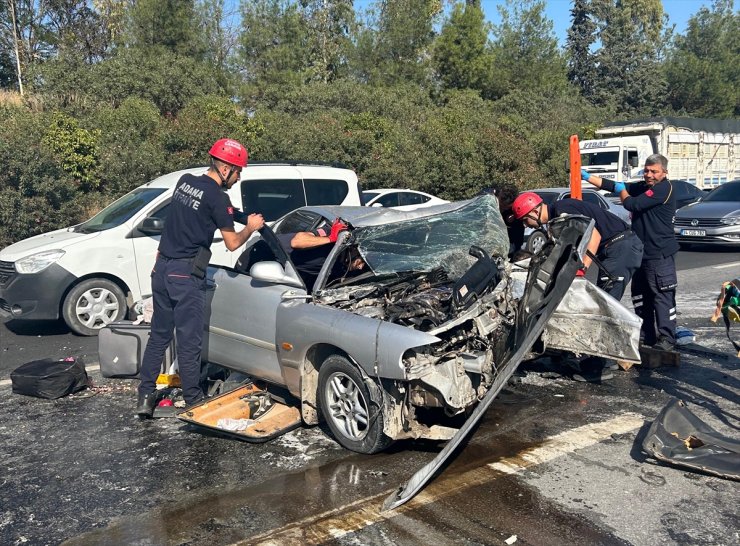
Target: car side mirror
(272, 272)
(152, 226)
(376, 205)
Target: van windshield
(121, 210)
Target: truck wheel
(352, 412)
(92, 304)
(536, 241)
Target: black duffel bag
(48, 378)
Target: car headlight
(730, 220)
(38, 262)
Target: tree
(397, 49)
(273, 46)
(171, 25)
(703, 68)
(462, 56)
(526, 49)
(220, 34)
(330, 24)
(581, 36)
(629, 76)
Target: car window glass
(408, 198)
(121, 210)
(422, 244)
(590, 197)
(388, 200)
(272, 198)
(299, 220)
(549, 197)
(325, 192)
(368, 196)
(725, 192)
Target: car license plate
(693, 232)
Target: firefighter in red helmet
(199, 206)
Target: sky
(679, 12)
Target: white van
(92, 273)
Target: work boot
(665, 344)
(146, 405)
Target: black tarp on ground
(679, 437)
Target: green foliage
(629, 76)
(171, 25)
(203, 121)
(581, 36)
(131, 145)
(397, 49)
(273, 47)
(526, 49)
(75, 148)
(123, 91)
(703, 70)
(153, 74)
(36, 193)
(329, 24)
(462, 56)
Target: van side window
(272, 198)
(325, 192)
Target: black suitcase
(121, 348)
(49, 378)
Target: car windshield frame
(720, 193)
(422, 244)
(120, 211)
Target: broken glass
(444, 239)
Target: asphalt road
(553, 462)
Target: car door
(241, 312)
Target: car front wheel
(93, 304)
(353, 413)
(536, 241)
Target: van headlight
(38, 262)
(730, 220)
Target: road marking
(92, 368)
(350, 518)
(725, 266)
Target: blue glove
(619, 187)
(584, 175)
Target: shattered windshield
(444, 239)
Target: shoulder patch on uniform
(230, 211)
(650, 193)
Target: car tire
(93, 304)
(352, 410)
(536, 241)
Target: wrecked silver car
(410, 345)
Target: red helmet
(525, 203)
(229, 151)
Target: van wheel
(354, 413)
(92, 304)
